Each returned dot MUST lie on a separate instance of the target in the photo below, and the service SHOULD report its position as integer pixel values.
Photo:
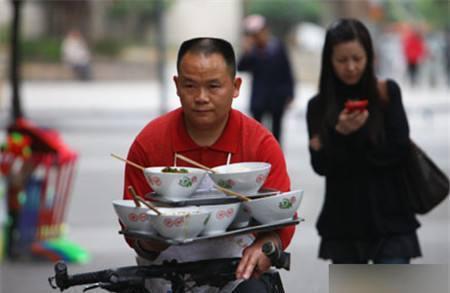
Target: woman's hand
(254, 262)
(351, 121)
(315, 143)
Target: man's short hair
(208, 46)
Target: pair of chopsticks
(186, 159)
(138, 200)
(227, 191)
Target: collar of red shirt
(226, 143)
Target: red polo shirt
(243, 137)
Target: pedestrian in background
(447, 54)
(265, 58)
(414, 49)
(365, 216)
(76, 55)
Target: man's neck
(208, 136)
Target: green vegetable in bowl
(174, 170)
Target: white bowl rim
(220, 205)
(195, 211)
(157, 170)
(264, 166)
(300, 191)
(129, 203)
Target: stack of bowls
(174, 185)
(247, 177)
(132, 217)
(180, 223)
(275, 208)
(221, 217)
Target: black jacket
(364, 197)
(273, 81)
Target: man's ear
(176, 81)
(237, 86)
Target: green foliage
(4, 34)
(394, 11)
(282, 15)
(42, 49)
(108, 47)
(135, 16)
(435, 12)
(139, 8)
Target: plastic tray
(206, 197)
(254, 227)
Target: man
(207, 129)
(265, 58)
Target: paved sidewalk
(140, 95)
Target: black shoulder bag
(425, 184)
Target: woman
(365, 216)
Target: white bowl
(275, 208)
(132, 217)
(174, 185)
(242, 218)
(180, 223)
(246, 177)
(221, 217)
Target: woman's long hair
(347, 30)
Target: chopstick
(137, 200)
(149, 205)
(134, 196)
(233, 193)
(128, 162)
(186, 159)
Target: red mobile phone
(358, 105)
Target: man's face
(261, 38)
(206, 90)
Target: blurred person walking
(414, 49)
(447, 54)
(365, 216)
(265, 58)
(76, 55)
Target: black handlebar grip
(61, 276)
(278, 258)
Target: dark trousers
(268, 283)
(412, 72)
(276, 115)
(381, 260)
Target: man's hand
(351, 121)
(254, 262)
